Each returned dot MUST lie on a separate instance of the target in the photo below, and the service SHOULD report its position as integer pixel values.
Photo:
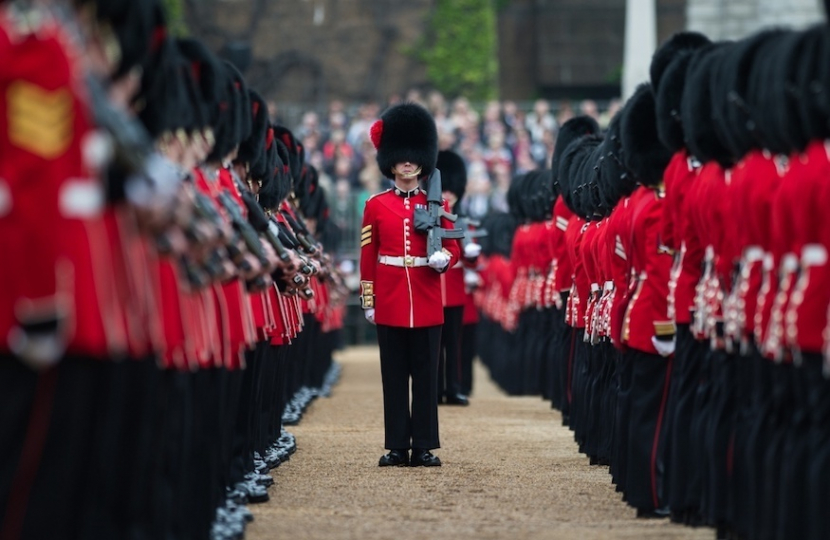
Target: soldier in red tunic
(401, 286)
(453, 288)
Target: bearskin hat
(732, 115)
(293, 157)
(571, 130)
(667, 102)
(799, 62)
(812, 82)
(612, 174)
(665, 54)
(453, 173)
(768, 93)
(643, 153)
(501, 227)
(254, 146)
(164, 92)
(571, 179)
(405, 133)
(700, 133)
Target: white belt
(789, 263)
(407, 261)
(753, 254)
(813, 255)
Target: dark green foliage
(460, 50)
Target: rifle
(429, 220)
(465, 223)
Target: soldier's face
(407, 169)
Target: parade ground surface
(511, 471)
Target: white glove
(370, 315)
(664, 348)
(471, 279)
(471, 250)
(439, 260)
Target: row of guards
(166, 306)
(670, 295)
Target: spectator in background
(463, 117)
(491, 122)
(613, 108)
(358, 132)
(273, 112)
(371, 181)
(588, 107)
(476, 201)
(343, 170)
(540, 119)
(522, 158)
(335, 149)
(542, 151)
(565, 112)
(496, 152)
(513, 119)
(310, 125)
(502, 177)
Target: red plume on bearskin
(376, 132)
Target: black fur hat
(164, 92)
(453, 173)
(769, 93)
(668, 102)
(226, 129)
(812, 82)
(254, 146)
(702, 137)
(576, 127)
(612, 174)
(643, 153)
(243, 120)
(501, 227)
(677, 44)
(405, 133)
(571, 172)
(733, 115)
(799, 62)
(208, 75)
(137, 25)
(293, 156)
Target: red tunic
(404, 296)
(806, 315)
(51, 229)
(645, 315)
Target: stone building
(311, 51)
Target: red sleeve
(368, 255)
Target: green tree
(460, 49)
(175, 17)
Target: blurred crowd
(498, 140)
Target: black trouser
(410, 353)
(468, 354)
(449, 371)
(650, 376)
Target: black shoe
(395, 458)
(424, 458)
(658, 513)
(457, 399)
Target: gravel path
(510, 471)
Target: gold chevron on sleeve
(366, 235)
(40, 121)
